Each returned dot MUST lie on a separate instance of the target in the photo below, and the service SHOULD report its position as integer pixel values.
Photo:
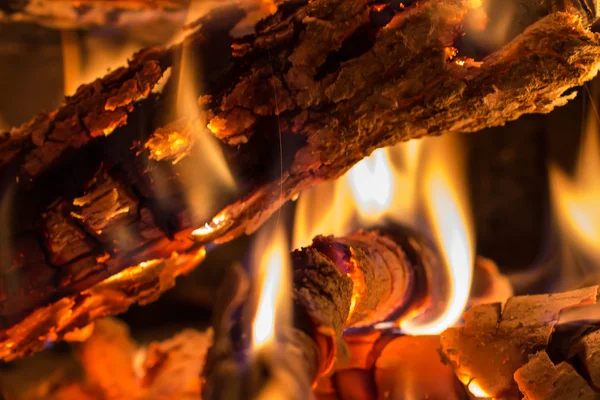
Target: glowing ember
(80, 334)
(218, 222)
(172, 142)
(358, 287)
(272, 285)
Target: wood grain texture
(326, 81)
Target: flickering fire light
(575, 201)
(272, 280)
(384, 188)
(408, 263)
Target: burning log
(345, 77)
(141, 284)
(343, 283)
(494, 346)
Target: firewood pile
(101, 215)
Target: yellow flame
(477, 391)
(372, 184)
(575, 199)
(445, 199)
(197, 159)
(271, 266)
(86, 58)
(390, 185)
(379, 186)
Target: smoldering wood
(331, 105)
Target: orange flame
(477, 391)
(197, 159)
(88, 58)
(379, 186)
(271, 266)
(447, 211)
(386, 186)
(575, 199)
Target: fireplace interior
(298, 199)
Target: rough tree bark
(96, 186)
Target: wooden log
(343, 79)
(339, 284)
(493, 345)
(588, 350)
(541, 379)
(141, 284)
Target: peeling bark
(327, 81)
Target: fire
(88, 58)
(188, 144)
(396, 184)
(272, 280)
(575, 199)
(477, 391)
(382, 185)
(445, 199)
(372, 184)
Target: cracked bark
(334, 79)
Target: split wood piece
(339, 283)
(141, 284)
(540, 379)
(492, 345)
(84, 14)
(334, 106)
(588, 350)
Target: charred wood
(96, 156)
